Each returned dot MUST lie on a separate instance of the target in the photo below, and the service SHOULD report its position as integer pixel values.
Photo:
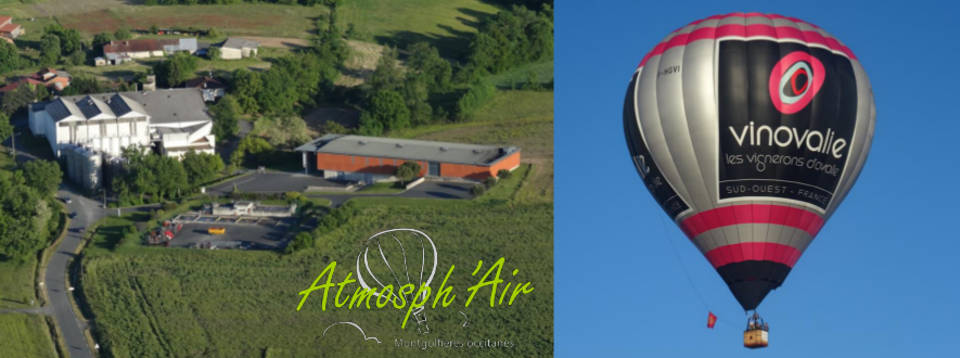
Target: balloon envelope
(749, 130)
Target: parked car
(67, 200)
(73, 215)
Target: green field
(445, 23)
(16, 283)
(24, 335)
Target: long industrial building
(370, 159)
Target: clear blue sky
(880, 280)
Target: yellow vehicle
(217, 230)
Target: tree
(389, 108)
(82, 84)
(225, 113)
(408, 171)
(416, 94)
(478, 94)
(14, 100)
(24, 217)
(6, 129)
(387, 76)
(9, 57)
(334, 127)
(279, 94)
(43, 175)
(201, 167)
(170, 176)
(426, 63)
(213, 53)
(251, 148)
(122, 34)
(369, 125)
(176, 69)
(49, 49)
(512, 37)
(246, 86)
(101, 39)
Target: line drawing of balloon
(365, 338)
(399, 243)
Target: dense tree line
(61, 45)
(400, 98)
(511, 38)
(176, 69)
(147, 177)
(292, 82)
(10, 57)
(28, 214)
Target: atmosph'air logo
(794, 80)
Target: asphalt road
(56, 282)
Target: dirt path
(279, 42)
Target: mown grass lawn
(24, 335)
(16, 283)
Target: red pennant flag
(711, 320)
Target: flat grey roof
(239, 43)
(395, 148)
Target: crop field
(24, 335)
(177, 302)
(445, 23)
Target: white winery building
(174, 121)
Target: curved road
(56, 281)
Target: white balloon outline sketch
(417, 312)
(365, 338)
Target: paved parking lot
(247, 236)
(273, 183)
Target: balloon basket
(755, 338)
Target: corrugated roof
(138, 45)
(404, 149)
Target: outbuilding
(371, 159)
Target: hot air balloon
(749, 130)
(396, 258)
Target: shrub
(503, 174)
(169, 206)
(478, 190)
(490, 182)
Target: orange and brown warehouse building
(370, 159)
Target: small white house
(236, 48)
